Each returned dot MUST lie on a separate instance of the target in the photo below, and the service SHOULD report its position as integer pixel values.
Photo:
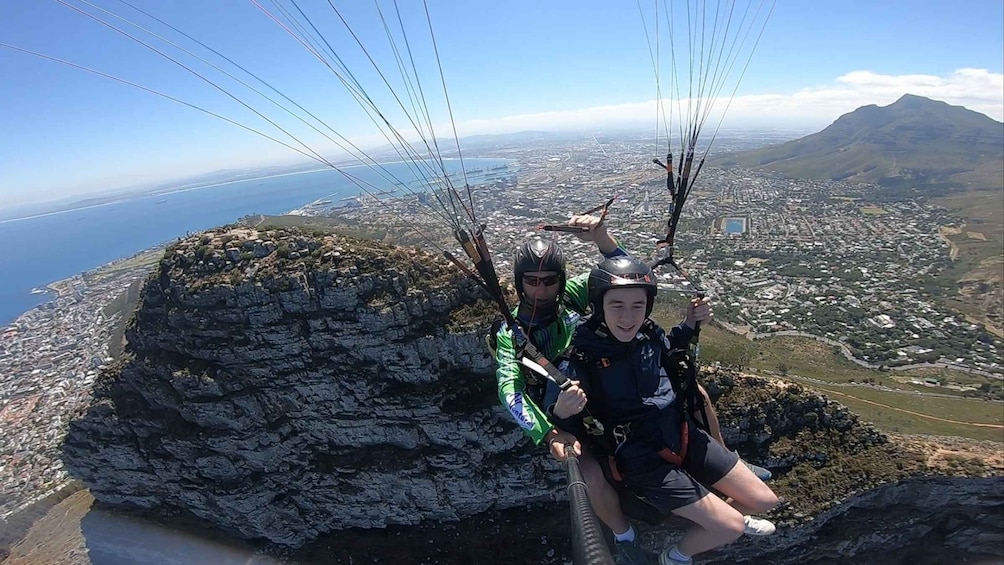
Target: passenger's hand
(563, 444)
(570, 402)
(699, 310)
(596, 227)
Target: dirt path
(911, 412)
(73, 532)
(56, 538)
(944, 232)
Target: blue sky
(509, 66)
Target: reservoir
(735, 225)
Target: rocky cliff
(283, 385)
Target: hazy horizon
(224, 175)
(69, 132)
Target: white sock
(628, 535)
(675, 555)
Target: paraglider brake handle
(605, 207)
(661, 262)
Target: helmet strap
(595, 324)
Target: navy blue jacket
(626, 384)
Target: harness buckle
(621, 433)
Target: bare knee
(722, 528)
(704, 395)
(719, 523)
(749, 492)
(763, 500)
(730, 529)
(596, 481)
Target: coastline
(116, 198)
(86, 237)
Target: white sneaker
(665, 559)
(758, 526)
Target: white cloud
(812, 107)
(808, 109)
(976, 89)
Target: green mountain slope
(913, 143)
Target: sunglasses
(537, 281)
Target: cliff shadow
(115, 538)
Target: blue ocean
(46, 248)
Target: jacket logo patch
(518, 410)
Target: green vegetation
(975, 274)
(893, 147)
(926, 415)
(145, 259)
(316, 225)
(828, 470)
(801, 359)
(885, 398)
(475, 316)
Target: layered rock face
(279, 400)
(922, 520)
(281, 385)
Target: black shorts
(668, 487)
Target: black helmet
(620, 272)
(538, 254)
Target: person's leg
(715, 524)
(711, 464)
(671, 489)
(749, 494)
(602, 495)
(606, 505)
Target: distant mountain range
(915, 142)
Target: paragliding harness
(535, 373)
(484, 275)
(535, 377)
(535, 383)
(492, 343)
(681, 368)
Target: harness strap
(677, 458)
(686, 384)
(699, 402)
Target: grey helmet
(620, 272)
(538, 254)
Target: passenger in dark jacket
(629, 369)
